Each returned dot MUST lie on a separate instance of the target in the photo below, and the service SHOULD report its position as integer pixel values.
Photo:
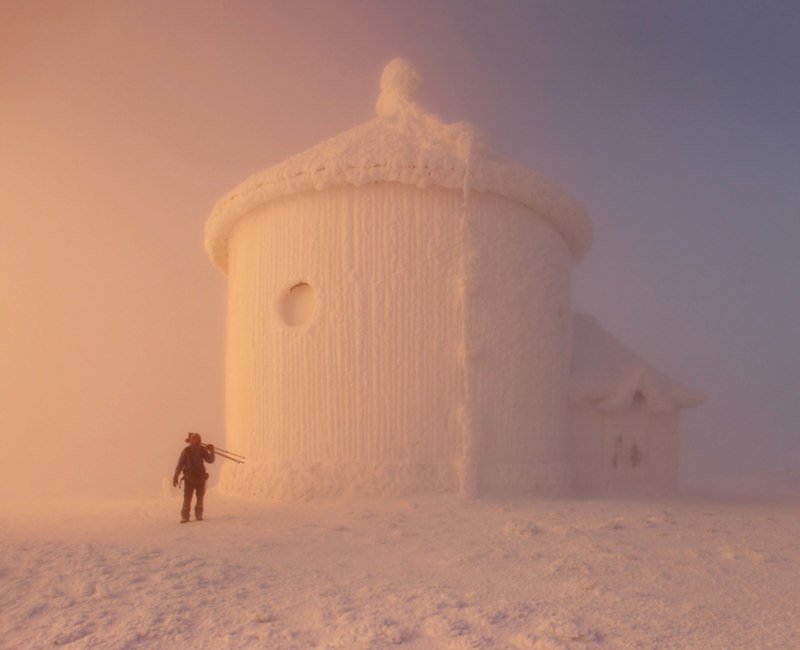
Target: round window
(297, 303)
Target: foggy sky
(121, 124)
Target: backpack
(194, 469)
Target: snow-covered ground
(428, 572)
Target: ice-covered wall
(427, 347)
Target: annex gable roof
(609, 376)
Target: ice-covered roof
(403, 144)
(609, 376)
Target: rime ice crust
(402, 144)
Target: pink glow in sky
(121, 125)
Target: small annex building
(624, 416)
(399, 317)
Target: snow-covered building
(399, 315)
(624, 416)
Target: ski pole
(225, 455)
(235, 460)
(225, 451)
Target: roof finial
(399, 82)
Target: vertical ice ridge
(468, 470)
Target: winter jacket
(191, 462)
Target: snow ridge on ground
(432, 572)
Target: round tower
(398, 314)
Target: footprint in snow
(521, 528)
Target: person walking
(192, 463)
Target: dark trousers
(189, 488)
